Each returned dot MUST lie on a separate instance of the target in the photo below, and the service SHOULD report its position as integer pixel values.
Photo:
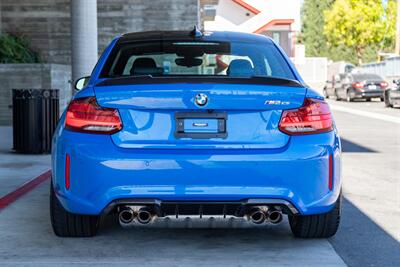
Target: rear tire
(388, 104)
(386, 99)
(66, 224)
(368, 99)
(316, 226)
(348, 97)
(325, 94)
(337, 96)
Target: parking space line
(23, 189)
(368, 114)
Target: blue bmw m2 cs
(191, 123)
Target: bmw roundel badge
(201, 99)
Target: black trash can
(35, 116)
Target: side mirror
(81, 83)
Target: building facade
(46, 24)
(278, 19)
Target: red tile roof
(247, 6)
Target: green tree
(358, 25)
(312, 27)
(390, 24)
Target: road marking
(368, 114)
(23, 189)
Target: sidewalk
(16, 169)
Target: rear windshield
(366, 76)
(176, 58)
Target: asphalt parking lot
(369, 234)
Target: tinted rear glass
(175, 58)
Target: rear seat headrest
(143, 66)
(240, 68)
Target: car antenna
(196, 32)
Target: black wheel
(368, 99)
(386, 99)
(382, 99)
(337, 96)
(387, 103)
(66, 224)
(348, 97)
(316, 226)
(325, 93)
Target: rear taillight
(313, 117)
(358, 85)
(383, 85)
(85, 115)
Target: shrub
(14, 49)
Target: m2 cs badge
(276, 102)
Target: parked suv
(327, 91)
(392, 95)
(195, 123)
(337, 84)
(361, 86)
(332, 86)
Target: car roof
(219, 36)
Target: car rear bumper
(101, 173)
(394, 97)
(368, 94)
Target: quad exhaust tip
(274, 216)
(144, 216)
(126, 215)
(259, 215)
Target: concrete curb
(23, 189)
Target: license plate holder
(200, 125)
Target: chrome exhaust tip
(144, 216)
(274, 216)
(257, 216)
(126, 215)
